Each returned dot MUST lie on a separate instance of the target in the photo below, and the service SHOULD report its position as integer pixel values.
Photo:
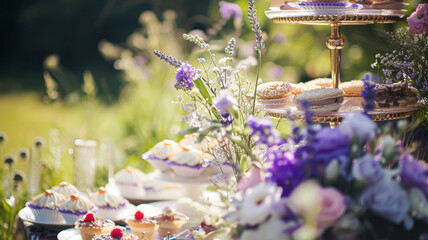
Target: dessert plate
(27, 215)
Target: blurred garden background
(85, 69)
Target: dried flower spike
(252, 15)
(196, 40)
(8, 161)
(230, 49)
(168, 59)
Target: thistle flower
(8, 161)
(185, 76)
(3, 137)
(168, 59)
(252, 15)
(18, 176)
(39, 142)
(23, 153)
(196, 40)
(228, 10)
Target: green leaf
(203, 90)
(188, 131)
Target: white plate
(27, 215)
(69, 234)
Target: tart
(89, 226)
(142, 226)
(394, 95)
(45, 206)
(170, 222)
(116, 234)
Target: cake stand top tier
(343, 16)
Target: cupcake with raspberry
(66, 189)
(110, 206)
(189, 162)
(116, 234)
(170, 222)
(45, 206)
(89, 226)
(159, 155)
(142, 226)
(76, 207)
(130, 182)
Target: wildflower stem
(257, 81)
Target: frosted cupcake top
(76, 203)
(48, 199)
(102, 198)
(65, 189)
(166, 149)
(192, 140)
(189, 156)
(130, 175)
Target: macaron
(322, 100)
(352, 88)
(322, 82)
(274, 94)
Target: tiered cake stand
(336, 18)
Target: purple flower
(228, 10)
(414, 173)
(418, 20)
(387, 199)
(223, 103)
(369, 93)
(185, 75)
(279, 37)
(276, 71)
(329, 144)
(367, 169)
(263, 131)
(285, 170)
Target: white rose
(359, 125)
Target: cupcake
(170, 222)
(188, 163)
(143, 227)
(110, 206)
(274, 94)
(322, 100)
(89, 226)
(66, 189)
(45, 206)
(159, 155)
(192, 140)
(76, 207)
(116, 234)
(130, 182)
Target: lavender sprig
(252, 15)
(230, 49)
(369, 93)
(168, 59)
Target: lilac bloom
(263, 131)
(185, 75)
(228, 10)
(418, 20)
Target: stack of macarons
(322, 100)
(274, 94)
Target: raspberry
(203, 224)
(89, 217)
(139, 215)
(116, 233)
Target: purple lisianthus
(223, 103)
(329, 144)
(418, 20)
(285, 171)
(387, 199)
(185, 75)
(367, 169)
(263, 131)
(228, 10)
(414, 173)
(360, 126)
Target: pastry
(322, 100)
(170, 222)
(388, 4)
(274, 94)
(89, 226)
(394, 95)
(188, 163)
(352, 88)
(321, 82)
(76, 207)
(192, 140)
(130, 182)
(298, 88)
(159, 155)
(66, 189)
(116, 234)
(45, 206)
(142, 226)
(109, 205)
